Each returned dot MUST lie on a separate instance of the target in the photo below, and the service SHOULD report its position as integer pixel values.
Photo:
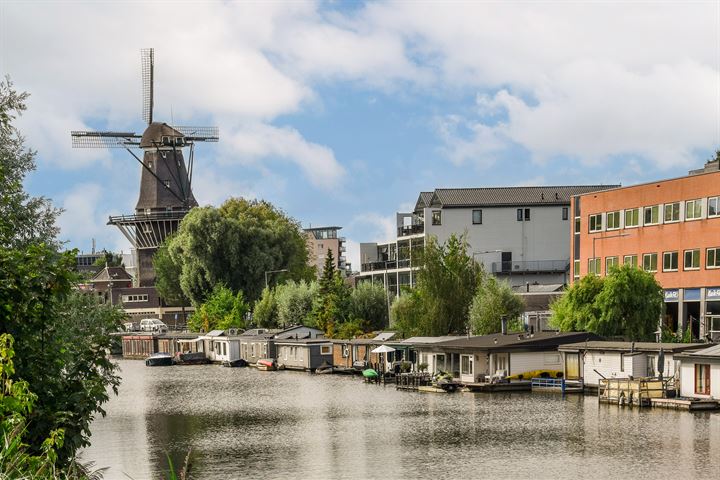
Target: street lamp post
(273, 271)
(604, 238)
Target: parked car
(131, 326)
(152, 325)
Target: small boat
(193, 358)
(325, 367)
(159, 360)
(239, 362)
(370, 373)
(266, 364)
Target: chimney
(503, 323)
(93, 246)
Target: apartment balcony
(406, 230)
(385, 265)
(531, 266)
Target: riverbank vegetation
(627, 303)
(61, 370)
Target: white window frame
(598, 223)
(630, 211)
(616, 217)
(677, 261)
(665, 212)
(596, 264)
(651, 207)
(696, 209)
(716, 258)
(480, 212)
(630, 257)
(715, 202)
(691, 251)
(650, 256)
(325, 349)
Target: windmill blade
(199, 134)
(147, 56)
(87, 139)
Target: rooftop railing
(533, 266)
(406, 230)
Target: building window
(670, 261)
(437, 217)
(577, 225)
(134, 298)
(465, 365)
(692, 259)
(576, 269)
(672, 212)
(712, 257)
(650, 262)
(613, 220)
(630, 260)
(713, 206)
(477, 217)
(702, 379)
(652, 215)
(167, 183)
(565, 213)
(519, 214)
(325, 349)
(693, 209)
(632, 217)
(610, 262)
(596, 222)
(594, 266)
(527, 214)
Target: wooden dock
(516, 386)
(691, 404)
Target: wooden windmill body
(166, 180)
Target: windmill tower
(166, 181)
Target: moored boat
(239, 362)
(370, 373)
(193, 358)
(159, 360)
(324, 368)
(266, 364)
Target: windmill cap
(154, 133)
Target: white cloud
(375, 227)
(257, 141)
(212, 188)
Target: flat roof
(599, 345)
(695, 175)
(516, 340)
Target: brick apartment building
(671, 228)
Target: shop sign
(692, 295)
(672, 295)
(712, 293)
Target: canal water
(243, 423)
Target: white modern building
(521, 234)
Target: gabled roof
(504, 196)
(215, 333)
(111, 274)
(631, 346)
(292, 332)
(424, 200)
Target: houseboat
(307, 354)
(700, 373)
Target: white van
(152, 325)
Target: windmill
(166, 181)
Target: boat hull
(159, 361)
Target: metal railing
(385, 265)
(411, 230)
(531, 266)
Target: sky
(341, 113)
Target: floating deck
(518, 386)
(431, 389)
(692, 404)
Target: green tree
(109, 259)
(493, 300)
(406, 314)
(61, 337)
(265, 313)
(332, 303)
(446, 282)
(167, 281)
(221, 310)
(295, 302)
(627, 302)
(235, 245)
(349, 330)
(369, 306)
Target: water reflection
(245, 423)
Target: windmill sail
(147, 56)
